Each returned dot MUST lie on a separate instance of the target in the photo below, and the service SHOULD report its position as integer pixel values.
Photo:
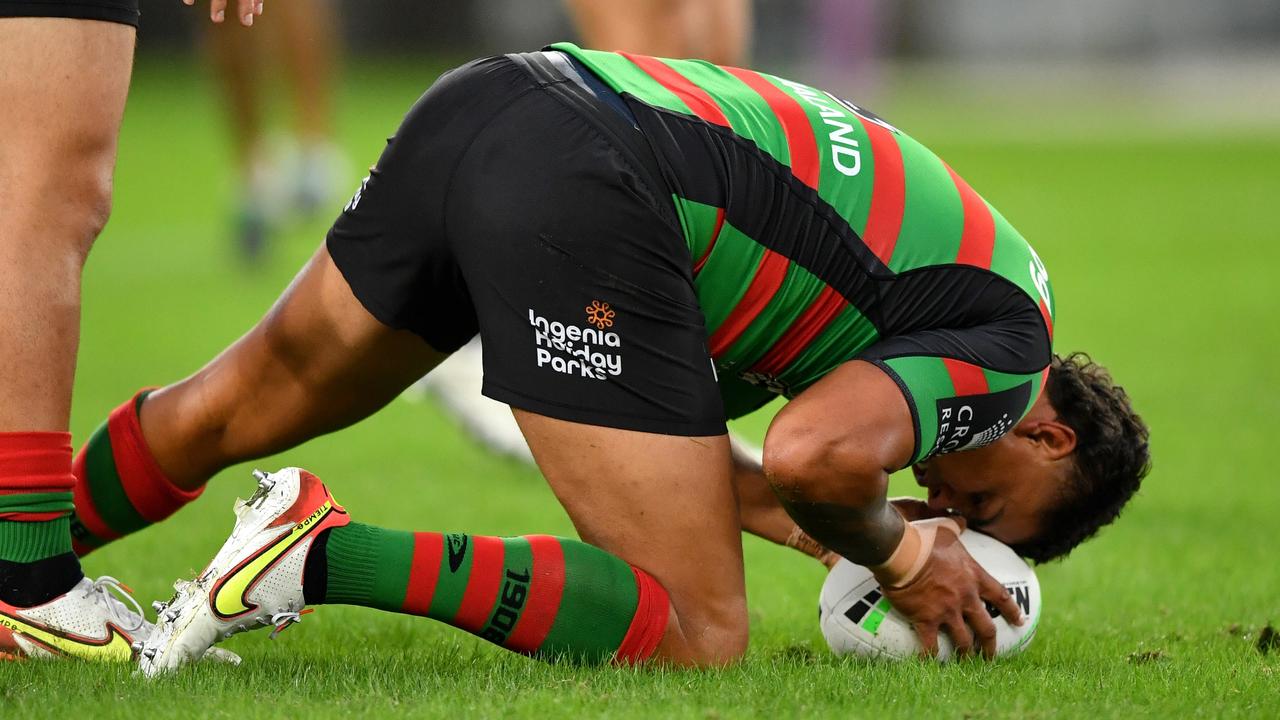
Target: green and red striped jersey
(801, 211)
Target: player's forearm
(865, 535)
(837, 495)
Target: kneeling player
(646, 247)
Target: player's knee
(91, 207)
(715, 635)
(69, 195)
(722, 645)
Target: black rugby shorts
(517, 202)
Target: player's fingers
(993, 592)
(961, 636)
(244, 10)
(928, 635)
(984, 630)
(257, 7)
(188, 3)
(217, 10)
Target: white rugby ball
(857, 619)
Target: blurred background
(1135, 143)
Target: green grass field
(1162, 255)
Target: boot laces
(119, 603)
(283, 620)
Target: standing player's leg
(237, 54)
(652, 27)
(64, 83)
(309, 46)
(715, 30)
(719, 30)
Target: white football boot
(85, 623)
(255, 580)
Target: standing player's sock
(537, 595)
(36, 564)
(119, 487)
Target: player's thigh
(62, 78)
(316, 363)
(63, 83)
(663, 503)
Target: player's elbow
(809, 464)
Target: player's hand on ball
(246, 10)
(932, 580)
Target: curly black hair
(1112, 456)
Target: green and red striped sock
(35, 495)
(119, 488)
(538, 595)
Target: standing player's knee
(68, 184)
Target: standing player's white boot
(87, 622)
(255, 580)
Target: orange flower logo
(600, 314)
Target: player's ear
(1054, 438)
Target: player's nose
(941, 497)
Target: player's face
(1002, 489)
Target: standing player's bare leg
(237, 61)
(237, 55)
(652, 27)
(719, 30)
(715, 30)
(64, 83)
(307, 43)
(301, 39)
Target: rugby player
(64, 74)
(647, 247)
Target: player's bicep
(855, 420)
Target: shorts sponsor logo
(600, 314)
(972, 421)
(588, 351)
